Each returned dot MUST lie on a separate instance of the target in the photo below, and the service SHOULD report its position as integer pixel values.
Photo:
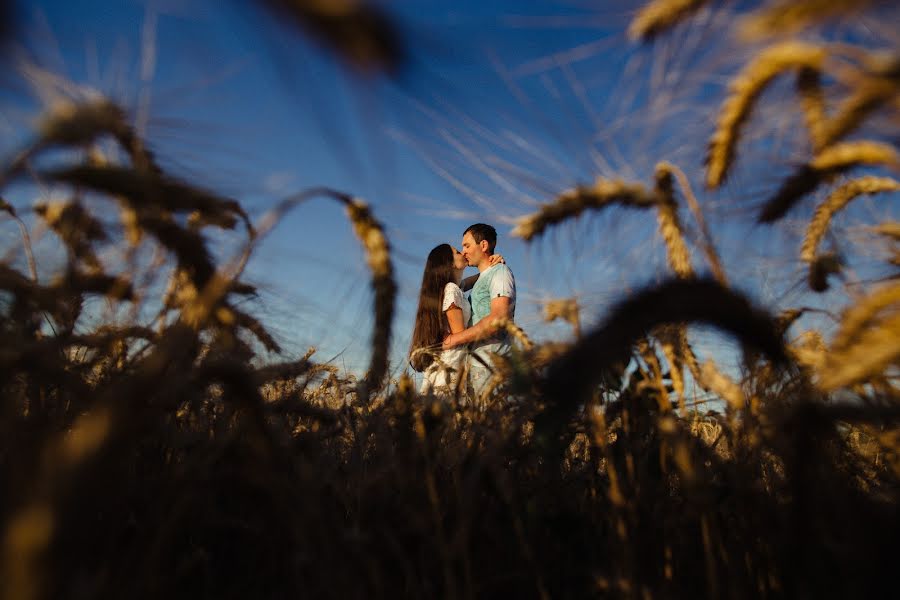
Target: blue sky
(503, 105)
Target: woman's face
(459, 261)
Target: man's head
(478, 244)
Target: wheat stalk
(838, 199)
(867, 97)
(872, 350)
(660, 15)
(709, 249)
(744, 90)
(515, 331)
(789, 16)
(833, 160)
(378, 257)
(669, 224)
(861, 317)
(76, 227)
(812, 102)
(26, 238)
(677, 301)
(722, 385)
(889, 229)
(566, 309)
(572, 203)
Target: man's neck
(485, 264)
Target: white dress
(441, 375)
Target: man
(493, 298)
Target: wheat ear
(744, 90)
(790, 16)
(566, 309)
(378, 257)
(669, 224)
(873, 350)
(677, 301)
(862, 316)
(870, 95)
(722, 385)
(572, 203)
(812, 102)
(515, 331)
(889, 229)
(838, 199)
(833, 160)
(708, 248)
(660, 15)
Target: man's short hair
(480, 232)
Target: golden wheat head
(572, 203)
(660, 15)
(838, 199)
(743, 92)
(831, 161)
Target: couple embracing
(453, 335)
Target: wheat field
(158, 455)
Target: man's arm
(484, 327)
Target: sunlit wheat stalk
(669, 225)
(743, 92)
(566, 309)
(660, 15)
(873, 350)
(833, 160)
(371, 233)
(782, 17)
(838, 199)
(708, 247)
(812, 102)
(572, 203)
(861, 317)
(871, 94)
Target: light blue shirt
(494, 282)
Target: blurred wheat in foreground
(147, 459)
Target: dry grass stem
(743, 92)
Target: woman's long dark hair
(429, 327)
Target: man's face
(471, 250)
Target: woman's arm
(455, 318)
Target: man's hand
(448, 342)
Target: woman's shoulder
(451, 288)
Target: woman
(442, 310)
